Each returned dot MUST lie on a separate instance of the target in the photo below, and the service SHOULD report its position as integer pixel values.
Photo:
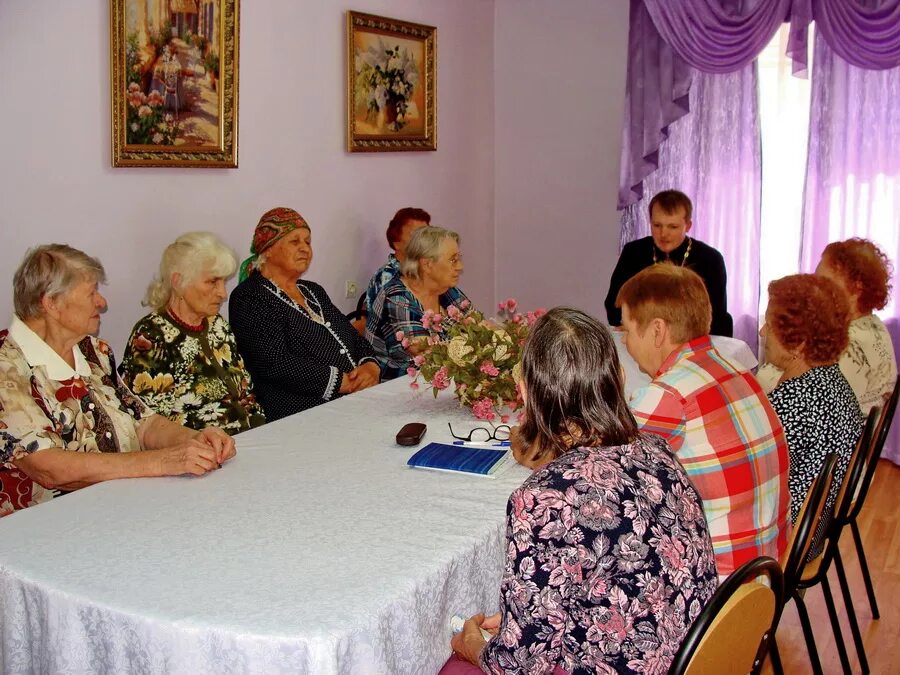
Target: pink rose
(404, 343)
(419, 360)
(399, 335)
(504, 419)
(413, 385)
(453, 312)
(426, 320)
(484, 409)
(511, 304)
(517, 318)
(488, 368)
(441, 380)
(465, 304)
(412, 372)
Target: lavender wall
(525, 170)
(560, 92)
(57, 184)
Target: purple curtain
(666, 37)
(713, 155)
(865, 33)
(656, 95)
(717, 36)
(853, 169)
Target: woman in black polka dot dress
(299, 347)
(806, 330)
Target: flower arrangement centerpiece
(385, 78)
(478, 358)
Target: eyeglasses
(482, 434)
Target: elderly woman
(805, 333)
(300, 349)
(66, 419)
(396, 324)
(181, 359)
(609, 559)
(863, 273)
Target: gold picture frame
(391, 84)
(174, 82)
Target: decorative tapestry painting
(390, 84)
(174, 82)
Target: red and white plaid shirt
(729, 440)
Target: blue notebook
(479, 461)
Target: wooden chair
(881, 433)
(794, 558)
(732, 633)
(815, 572)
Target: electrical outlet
(350, 290)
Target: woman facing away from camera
(609, 560)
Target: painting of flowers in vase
(174, 82)
(390, 84)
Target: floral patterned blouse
(93, 414)
(196, 378)
(609, 561)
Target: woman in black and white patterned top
(299, 348)
(805, 332)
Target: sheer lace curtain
(713, 155)
(853, 170)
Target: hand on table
(194, 457)
(469, 642)
(361, 377)
(221, 442)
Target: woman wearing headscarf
(299, 347)
(181, 358)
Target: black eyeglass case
(411, 434)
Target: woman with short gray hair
(66, 419)
(181, 358)
(427, 283)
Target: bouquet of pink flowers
(479, 358)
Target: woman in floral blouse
(66, 419)
(609, 559)
(181, 359)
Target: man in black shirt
(670, 221)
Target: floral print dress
(93, 414)
(609, 562)
(194, 377)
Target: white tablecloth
(314, 551)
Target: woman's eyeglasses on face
(482, 434)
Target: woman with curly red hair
(806, 331)
(863, 272)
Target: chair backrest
(856, 471)
(359, 316)
(801, 538)
(880, 438)
(732, 633)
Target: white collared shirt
(39, 353)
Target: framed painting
(391, 103)
(174, 80)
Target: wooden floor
(880, 528)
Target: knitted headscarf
(273, 225)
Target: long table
(315, 550)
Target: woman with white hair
(181, 359)
(397, 326)
(66, 419)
